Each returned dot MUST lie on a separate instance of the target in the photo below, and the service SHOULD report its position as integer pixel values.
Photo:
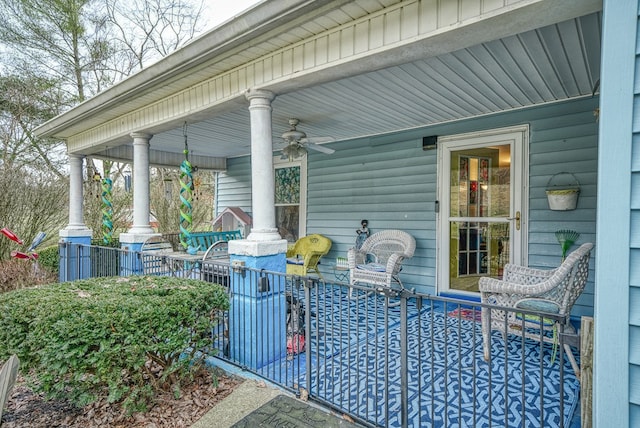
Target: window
(290, 198)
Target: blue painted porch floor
(355, 364)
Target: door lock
(517, 219)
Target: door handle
(517, 219)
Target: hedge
(49, 258)
(125, 338)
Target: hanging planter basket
(563, 197)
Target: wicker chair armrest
(394, 263)
(216, 250)
(311, 258)
(491, 285)
(526, 275)
(355, 257)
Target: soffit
(552, 63)
(549, 64)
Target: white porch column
(76, 235)
(141, 186)
(262, 175)
(76, 217)
(254, 301)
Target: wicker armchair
(379, 260)
(552, 291)
(304, 256)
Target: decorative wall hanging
(186, 197)
(107, 211)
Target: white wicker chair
(554, 291)
(379, 260)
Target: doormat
(466, 314)
(284, 411)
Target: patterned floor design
(355, 364)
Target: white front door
(483, 193)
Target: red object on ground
(9, 234)
(295, 344)
(21, 255)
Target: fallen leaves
(25, 409)
(304, 394)
(348, 418)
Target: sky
(219, 11)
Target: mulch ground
(26, 409)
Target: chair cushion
(373, 267)
(539, 305)
(295, 261)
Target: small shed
(233, 218)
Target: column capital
(141, 136)
(75, 231)
(252, 94)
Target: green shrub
(49, 258)
(125, 338)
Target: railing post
(71, 239)
(63, 261)
(308, 285)
(74, 262)
(131, 259)
(404, 366)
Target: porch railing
(393, 360)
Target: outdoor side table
(341, 273)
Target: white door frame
(518, 138)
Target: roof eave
(242, 29)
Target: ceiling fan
(297, 142)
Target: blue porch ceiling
(557, 62)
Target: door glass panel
(287, 201)
(287, 221)
(479, 207)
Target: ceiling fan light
(293, 151)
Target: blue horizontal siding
(634, 385)
(234, 186)
(634, 259)
(392, 182)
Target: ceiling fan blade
(317, 140)
(319, 148)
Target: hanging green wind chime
(107, 211)
(186, 197)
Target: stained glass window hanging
(288, 185)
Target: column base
(264, 235)
(131, 262)
(75, 253)
(75, 232)
(254, 248)
(134, 238)
(257, 318)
